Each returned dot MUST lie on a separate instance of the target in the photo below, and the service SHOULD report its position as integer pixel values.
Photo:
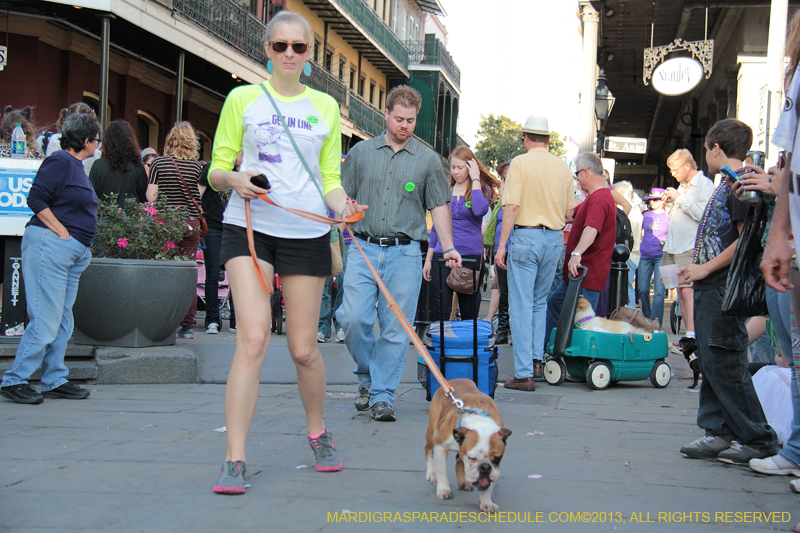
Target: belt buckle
(384, 241)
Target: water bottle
(18, 142)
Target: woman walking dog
(301, 163)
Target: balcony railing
(365, 117)
(431, 51)
(376, 28)
(237, 27)
(322, 80)
(227, 21)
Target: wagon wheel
(555, 371)
(279, 324)
(661, 374)
(598, 376)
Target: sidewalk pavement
(145, 457)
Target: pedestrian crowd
(537, 226)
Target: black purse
(746, 287)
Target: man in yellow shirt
(538, 199)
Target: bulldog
(477, 436)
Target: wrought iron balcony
(365, 117)
(431, 51)
(362, 28)
(234, 25)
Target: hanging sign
(677, 76)
(3, 57)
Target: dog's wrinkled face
(481, 449)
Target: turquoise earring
(269, 66)
(307, 69)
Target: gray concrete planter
(133, 303)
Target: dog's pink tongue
(483, 482)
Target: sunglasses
(280, 47)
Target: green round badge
(410, 186)
(468, 205)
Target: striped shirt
(397, 186)
(163, 174)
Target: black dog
(688, 347)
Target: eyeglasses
(97, 140)
(578, 173)
(280, 47)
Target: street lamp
(603, 104)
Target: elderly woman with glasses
(55, 251)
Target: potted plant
(138, 286)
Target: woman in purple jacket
(472, 188)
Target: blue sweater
(62, 185)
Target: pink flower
(170, 245)
(122, 243)
(150, 210)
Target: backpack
(624, 229)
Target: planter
(133, 303)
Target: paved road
(144, 458)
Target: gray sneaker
(740, 454)
(362, 399)
(383, 412)
(707, 447)
(327, 457)
(231, 478)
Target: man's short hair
(734, 137)
(590, 161)
(405, 96)
(537, 138)
(681, 157)
(625, 189)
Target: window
(342, 65)
(380, 98)
(372, 92)
(317, 50)
(400, 21)
(352, 78)
(272, 8)
(203, 146)
(329, 59)
(361, 81)
(146, 130)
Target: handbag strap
(291, 138)
(188, 190)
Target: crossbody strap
(291, 138)
(191, 196)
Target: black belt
(383, 241)
(517, 226)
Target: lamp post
(603, 103)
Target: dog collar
(471, 411)
(582, 321)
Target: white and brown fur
(585, 310)
(479, 443)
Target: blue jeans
(631, 284)
(532, 262)
(380, 362)
(556, 301)
(780, 309)
(729, 406)
(647, 269)
(51, 268)
(211, 257)
(327, 310)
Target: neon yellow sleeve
(330, 157)
(228, 137)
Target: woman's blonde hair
(489, 184)
(182, 142)
(287, 17)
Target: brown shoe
(537, 370)
(526, 384)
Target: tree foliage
(500, 141)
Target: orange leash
(421, 348)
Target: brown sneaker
(526, 384)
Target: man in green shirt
(399, 178)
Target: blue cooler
(462, 358)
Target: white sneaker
(212, 329)
(340, 336)
(321, 337)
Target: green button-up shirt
(398, 187)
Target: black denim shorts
(308, 257)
